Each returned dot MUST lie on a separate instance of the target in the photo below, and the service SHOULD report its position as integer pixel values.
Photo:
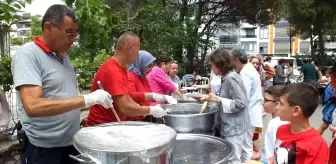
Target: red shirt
(332, 155)
(303, 148)
(113, 78)
(138, 86)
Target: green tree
(35, 27)
(6, 80)
(9, 14)
(204, 18)
(311, 18)
(16, 41)
(177, 28)
(95, 26)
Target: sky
(39, 7)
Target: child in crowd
(332, 100)
(271, 99)
(298, 142)
(329, 102)
(332, 154)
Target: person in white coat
(252, 83)
(214, 84)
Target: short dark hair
(332, 71)
(304, 95)
(275, 91)
(268, 58)
(222, 60)
(163, 59)
(281, 61)
(56, 13)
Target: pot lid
(125, 137)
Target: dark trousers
(38, 155)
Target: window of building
(263, 47)
(225, 39)
(250, 33)
(264, 33)
(19, 25)
(304, 47)
(281, 47)
(281, 31)
(249, 46)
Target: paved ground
(316, 121)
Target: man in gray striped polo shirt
(47, 93)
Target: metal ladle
(113, 110)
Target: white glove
(157, 111)
(98, 97)
(159, 98)
(170, 99)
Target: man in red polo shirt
(113, 77)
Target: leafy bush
(17, 41)
(86, 68)
(6, 80)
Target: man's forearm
(133, 110)
(50, 107)
(148, 96)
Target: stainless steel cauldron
(114, 143)
(200, 149)
(186, 117)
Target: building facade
(272, 39)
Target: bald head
(127, 38)
(128, 47)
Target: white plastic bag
(4, 110)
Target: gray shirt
(32, 66)
(279, 77)
(176, 80)
(233, 123)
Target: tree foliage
(182, 29)
(311, 18)
(6, 80)
(16, 41)
(9, 14)
(35, 27)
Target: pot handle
(82, 159)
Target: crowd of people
(49, 101)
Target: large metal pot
(115, 143)
(201, 149)
(186, 117)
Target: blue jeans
(38, 155)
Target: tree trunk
(322, 57)
(312, 51)
(2, 43)
(290, 45)
(178, 55)
(192, 46)
(201, 63)
(321, 43)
